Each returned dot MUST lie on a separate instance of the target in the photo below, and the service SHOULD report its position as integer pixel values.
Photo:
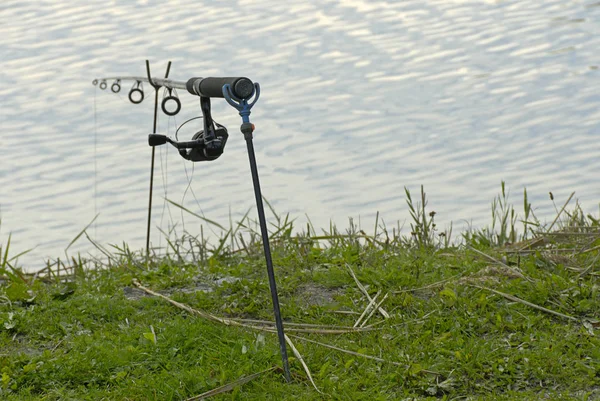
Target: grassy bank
(494, 315)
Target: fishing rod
(208, 144)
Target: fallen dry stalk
(367, 309)
(590, 267)
(527, 303)
(234, 322)
(292, 324)
(428, 286)
(364, 291)
(492, 259)
(375, 358)
(591, 249)
(230, 386)
(304, 365)
(364, 322)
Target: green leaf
(17, 291)
(10, 324)
(324, 369)
(415, 369)
(150, 337)
(448, 296)
(29, 368)
(65, 292)
(5, 380)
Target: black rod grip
(241, 87)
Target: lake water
(359, 99)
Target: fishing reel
(200, 148)
(206, 145)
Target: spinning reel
(206, 145)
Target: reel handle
(158, 139)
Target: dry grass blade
(99, 247)
(488, 257)
(524, 252)
(526, 303)
(234, 322)
(338, 236)
(292, 324)
(532, 244)
(374, 358)
(590, 250)
(367, 309)
(559, 213)
(364, 291)
(185, 209)
(297, 354)
(364, 322)
(432, 285)
(329, 331)
(230, 386)
(81, 232)
(572, 233)
(180, 305)
(345, 312)
(590, 267)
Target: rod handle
(242, 87)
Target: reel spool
(211, 150)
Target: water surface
(359, 99)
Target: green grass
(83, 331)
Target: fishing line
(164, 168)
(189, 187)
(163, 178)
(95, 166)
(126, 101)
(167, 178)
(189, 177)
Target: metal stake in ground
(247, 128)
(156, 88)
